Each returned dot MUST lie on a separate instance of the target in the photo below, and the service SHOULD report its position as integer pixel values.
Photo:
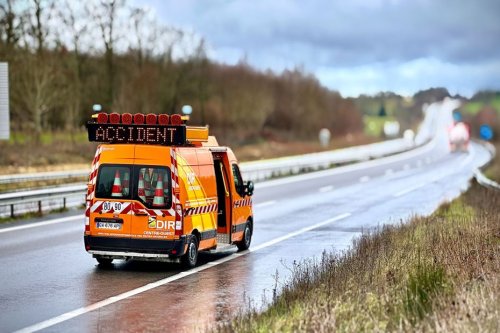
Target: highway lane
(45, 272)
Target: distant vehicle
(459, 137)
(160, 190)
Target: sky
(352, 46)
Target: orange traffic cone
(126, 183)
(140, 189)
(159, 200)
(117, 186)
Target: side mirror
(249, 188)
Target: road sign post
(4, 101)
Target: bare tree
(10, 24)
(34, 90)
(105, 15)
(202, 63)
(138, 17)
(76, 27)
(38, 28)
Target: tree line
(64, 57)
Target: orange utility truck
(160, 190)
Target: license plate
(108, 225)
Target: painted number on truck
(108, 205)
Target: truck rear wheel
(190, 258)
(104, 261)
(244, 244)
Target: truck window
(238, 181)
(113, 182)
(154, 187)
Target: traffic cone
(140, 189)
(159, 200)
(147, 183)
(126, 183)
(117, 186)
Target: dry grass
(438, 274)
(493, 172)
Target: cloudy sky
(354, 46)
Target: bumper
(138, 249)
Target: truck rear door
(153, 216)
(112, 204)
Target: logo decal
(152, 222)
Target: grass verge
(30, 215)
(438, 273)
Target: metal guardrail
(478, 174)
(485, 181)
(11, 200)
(256, 171)
(260, 170)
(41, 176)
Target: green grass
(30, 215)
(374, 125)
(472, 108)
(48, 138)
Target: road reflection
(189, 304)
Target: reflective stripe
(200, 210)
(243, 202)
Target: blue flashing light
(486, 132)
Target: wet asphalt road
(48, 282)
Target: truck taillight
(87, 217)
(178, 222)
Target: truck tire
(244, 244)
(190, 258)
(104, 261)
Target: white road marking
(325, 189)
(469, 158)
(419, 163)
(364, 179)
(389, 172)
(349, 168)
(406, 167)
(408, 190)
(435, 179)
(83, 310)
(265, 203)
(41, 224)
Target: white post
(4, 101)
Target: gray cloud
(343, 34)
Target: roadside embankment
(438, 273)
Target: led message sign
(141, 134)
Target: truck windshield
(113, 182)
(151, 185)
